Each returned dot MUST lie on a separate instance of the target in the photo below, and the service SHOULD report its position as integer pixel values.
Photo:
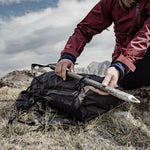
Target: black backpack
(70, 98)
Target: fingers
(62, 66)
(107, 79)
(98, 91)
(110, 80)
(63, 71)
(113, 82)
(72, 67)
(58, 69)
(111, 77)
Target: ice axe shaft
(112, 91)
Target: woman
(131, 57)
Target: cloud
(8, 2)
(38, 37)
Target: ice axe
(112, 91)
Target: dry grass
(124, 128)
(7, 94)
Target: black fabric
(140, 77)
(70, 97)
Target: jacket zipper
(137, 14)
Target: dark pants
(140, 77)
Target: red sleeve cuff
(126, 62)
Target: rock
(97, 68)
(17, 79)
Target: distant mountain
(97, 68)
(22, 79)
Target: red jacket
(131, 44)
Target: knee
(129, 84)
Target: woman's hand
(111, 79)
(62, 66)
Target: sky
(36, 31)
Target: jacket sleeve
(137, 48)
(98, 19)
